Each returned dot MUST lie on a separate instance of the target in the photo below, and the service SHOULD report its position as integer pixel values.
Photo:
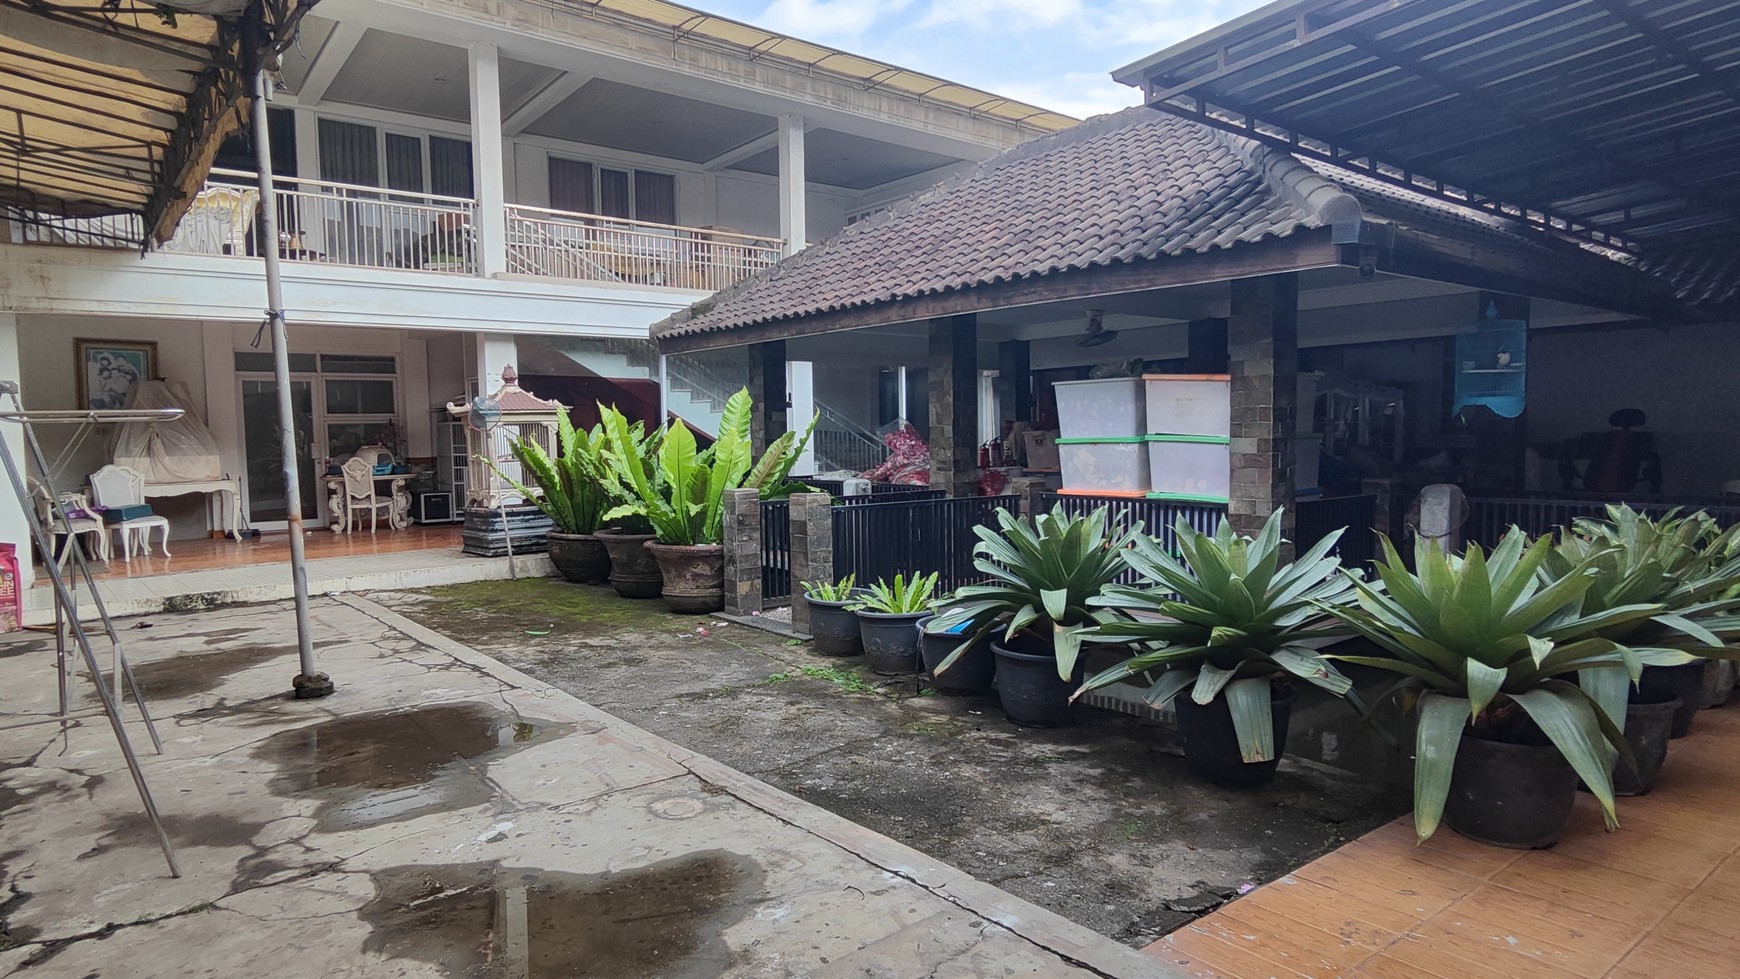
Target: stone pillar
(1029, 489)
(812, 550)
(767, 387)
(742, 540)
(954, 404)
(1263, 358)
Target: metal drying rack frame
(66, 617)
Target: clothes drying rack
(68, 630)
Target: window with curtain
(613, 194)
(404, 163)
(450, 167)
(348, 153)
(571, 186)
(655, 197)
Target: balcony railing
(374, 227)
(565, 245)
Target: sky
(1057, 54)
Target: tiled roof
(1130, 186)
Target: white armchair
(113, 487)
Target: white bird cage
(521, 415)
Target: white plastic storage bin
(1188, 404)
(1188, 467)
(1104, 467)
(1109, 407)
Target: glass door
(265, 462)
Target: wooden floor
(274, 548)
(1658, 898)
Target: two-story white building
(463, 185)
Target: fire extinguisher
(987, 452)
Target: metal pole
(310, 682)
(664, 388)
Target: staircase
(696, 392)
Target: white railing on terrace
(565, 245)
(373, 227)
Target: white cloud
(1079, 94)
(827, 20)
(1004, 16)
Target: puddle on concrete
(186, 674)
(379, 767)
(662, 921)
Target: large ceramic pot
(634, 573)
(1512, 795)
(1211, 744)
(694, 575)
(1718, 682)
(890, 641)
(970, 676)
(1684, 683)
(834, 628)
(1649, 720)
(580, 558)
(1032, 693)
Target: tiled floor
(1658, 898)
(274, 548)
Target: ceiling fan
(1096, 330)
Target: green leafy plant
(568, 489)
(1485, 644)
(831, 591)
(1225, 621)
(1043, 573)
(1685, 564)
(678, 487)
(903, 597)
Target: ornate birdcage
(492, 425)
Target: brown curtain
(655, 197)
(571, 186)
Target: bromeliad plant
(1225, 621)
(679, 488)
(903, 597)
(568, 489)
(831, 591)
(1486, 645)
(1043, 574)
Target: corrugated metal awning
(1613, 121)
(118, 106)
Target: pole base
(311, 686)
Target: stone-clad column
(742, 540)
(812, 550)
(767, 387)
(954, 404)
(1263, 355)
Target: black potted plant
(627, 448)
(970, 676)
(1486, 645)
(833, 625)
(888, 615)
(1035, 608)
(1228, 626)
(569, 494)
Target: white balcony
(378, 228)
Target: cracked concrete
(492, 826)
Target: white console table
(230, 502)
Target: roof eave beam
(334, 53)
(540, 104)
(737, 154)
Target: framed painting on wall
(109, 370)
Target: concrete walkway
(446, 815)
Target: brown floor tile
(1354, 915)
(1659, 958)
(1405, 881)
(1709, 919)
(274, 548)
(1445, 849)
(1439, 958)
(1492, 946)
(1591, 887)
(1212, 952)
(1647, 849)
(1293, 943)
(1578, 942)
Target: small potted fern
(833, 624)
(568, 492)
(888, 622)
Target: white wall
(1683, 378)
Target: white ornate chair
(359, 493)
(117, 486)
(79, 526)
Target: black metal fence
(775, 551)
(1159, 518)
(1316, 519)
(837, 487)
(1490, 516)
(880, 539)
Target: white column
(487, 166)
(14, 529)
(800, 386)
(791, 182)
(493, 352)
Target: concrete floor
(1101, 823)
(445, 815)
